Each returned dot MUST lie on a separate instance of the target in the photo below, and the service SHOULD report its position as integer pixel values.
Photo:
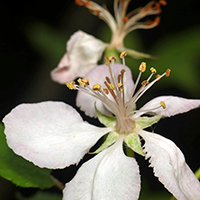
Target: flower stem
(58, 184)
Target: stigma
(112, 92)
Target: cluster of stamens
(122, 108)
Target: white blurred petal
(108, 176)
(97, 75)
(83, 53)
(174, 105)
(50, 134)
(170, 166)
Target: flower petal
(50, 134)
(170, 166)
(174, 105)
(110, 175)
(83, 53)
(97, 75)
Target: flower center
(114, 94)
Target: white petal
(83, 53)
(97, 75)
(61, 73)
(108, 176)
(50, 134)
(170, 166)
(174, 105)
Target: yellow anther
(123, 54)
(80, 81)
(168, 72)
(84, 81)
(153, 70)
(163, 104)
(71, 85)
(111, 86)
(142, 67)
(106, 91)
(112, 58)
(96, 87)
(145, 82)
(119, 85)
(157, 76)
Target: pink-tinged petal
(174, 105)
(50, 134)
(61, 73)
(97, 75)
(170, 166)
(110, 175)
(83, 53)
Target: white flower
(53, 135)
(77, 61)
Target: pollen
(142, 67)
(123, 54)
(153, 70)
(111, 86)
(168, 72)
(84, 81)
(96, 87)
(71, 85)
(119, 85)
(163, 104)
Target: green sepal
(111, 138)
(133, 141)
(145, 122)
(108, 121)
(20, 171)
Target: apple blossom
(77, 61)
(53, 135)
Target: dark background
(25, 71)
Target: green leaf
(20, 171)
(180, 52)
(48, 42)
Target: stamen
(167, 72)
(108, 80)
(157, 77)
(105, 90)
(153, 70)
(82, 3)
(125, 19)
(145, 82)
(111, 92)
(111, 86)
(163, 2)
(71, 85)
(84, 81)
(119, 85)
(163, 104)
(97, 12)
(142, 67)
(123, 54)
(112, 58)
(96, 87)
